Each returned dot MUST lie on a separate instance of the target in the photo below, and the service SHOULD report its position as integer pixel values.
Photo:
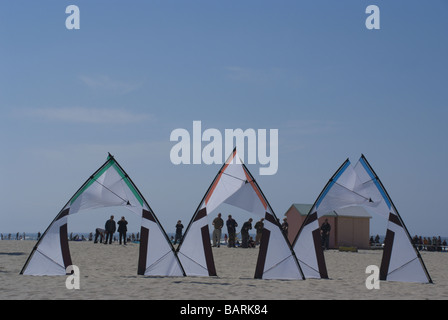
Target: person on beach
(179, 227)
(231, 230)
(218, 223)
(99, 233)
(259, 226)
(251, 243)
(245, 233)
(110, 227)
(325, 232)
(122, 229)
(285, 227)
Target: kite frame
(275, 222)
(61, 213)
(383, 192)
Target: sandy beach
(110, 272)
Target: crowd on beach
(421, 243)
(106, 235)
(132, 237)
(231, 238)
(19, 236)
(430, 244)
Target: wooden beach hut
(350, 227)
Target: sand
(110, 272)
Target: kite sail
(360, 186)
(235, 185)
(109, 186)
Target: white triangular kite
(359, 186)
(109, 186)
(235, 185)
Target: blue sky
(137, 70)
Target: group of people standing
(246, 240)
(430, 244)
(109, 230)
